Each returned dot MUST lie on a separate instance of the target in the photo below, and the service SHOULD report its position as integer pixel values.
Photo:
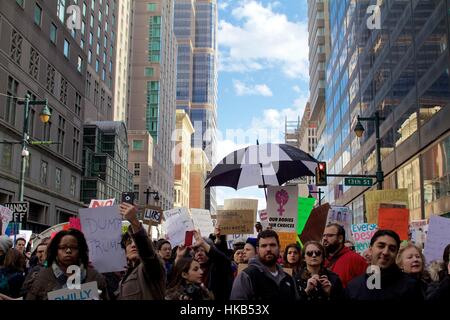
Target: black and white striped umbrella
(261, 165)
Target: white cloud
(242, 89)
(223, 4)
(296, 89)
(265, 39)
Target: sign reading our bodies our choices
(87, 291)
(6, 215)
(202, 220)
(176, 222)
(438, 238)
(102, 203)
(102, 228)
(362, 233)
(236, 221)
(282, 208)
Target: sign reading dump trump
(102, 228)
(235, 221)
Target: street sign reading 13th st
(364, 182)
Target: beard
(331, 248)
(268, 261)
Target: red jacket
(347, 264)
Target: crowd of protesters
(255, 269)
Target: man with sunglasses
(346, 263)
(264, 279)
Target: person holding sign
(67, 249)
(187, 283)
(314, 281)
(145, 278)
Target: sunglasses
(311, 253)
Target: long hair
(83, 250)
(306, 274)
(14, 260)
(285, 254)
(182, 265)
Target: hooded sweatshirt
(256, 282)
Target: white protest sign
(102, 228)
(102, 203)
(177, 222)
(231, 238)
(88, 291)
(343, 217)
(202, 220)
(282, 208)
(418, 230)
(437, 239)
(6, 215)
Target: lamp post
(320, 192)
(148, 193)
(44, 116)
(359, 130)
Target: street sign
(364, 182)
(20, 211)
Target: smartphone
(188, 238)
(128, 197)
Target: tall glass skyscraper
(195, 26)
(401, 68)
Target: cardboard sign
(240, 204)
(305, 205)
(418, 230)
(20, 211)
(316, 224)
(177, 222)
(437, 239)
(202, 220)
(282, 208)
(102, 228)
(286, 238)
(396, 219)
(343, 217)
(235, 221)
(6, 215)
(362, 233)
(102, 203)
(153, 214)
(374, 198)
(87, 291)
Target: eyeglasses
(329, 235)
(64, 248)
(311, 253)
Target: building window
(97, 64)
(91, 23)
(95, 92)
(11, 100)
(151, 7)
(99, 33)
(88, 84)
(80, 64)
(27, 165)
(75, 144)
(50, 78)
(98, 48)
(20, 2)
(66, 48)
(6, 155)
(104, 57)
(91, 36)
(107, 10)
(16, 46)
(93, 5)
(61, 134)
(103, 74)
(33, 67)
(73, 182)
(58, 179)
(77, 103)
(82, 44)
(61, 9)
(138, 145)
(43, 175)
(37, 14)
(89, 56)
(53, 32)
(48, 129)
(84, 9)
(83, 27)
(148, 72)
(137, 169)
(63, 91)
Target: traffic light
(321, 174)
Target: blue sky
(263, 75)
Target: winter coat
(337, 291)
(11, 282)
(147, 280)
(219, 274)
(189, 292)
(257, 283)
(394, 285)
(439, 290)
(346, 264)
(46, 282)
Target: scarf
(61, 276)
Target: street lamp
(44, 116)
(359, 130)
(148, 193)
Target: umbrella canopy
(261, 165)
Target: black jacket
(439, 291)
(337, 291)
(220, 274)
(394, 285)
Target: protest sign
(305, 205)
(286, 238)
(24, 234)
(316, 224)
(343, 217)
(374, 198)
(177, 222)
(202, 220)
(396, 219)
(87, 291)
(362, 233)
(20, 211)
(102, 228)
(153, 214)
(418, 230)
(438, 238)
(102, 203)
(232, 238)
(75, 223)
(235, 221)
(6, 215)
(241, 204)
(282, 208)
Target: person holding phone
(314, 282)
